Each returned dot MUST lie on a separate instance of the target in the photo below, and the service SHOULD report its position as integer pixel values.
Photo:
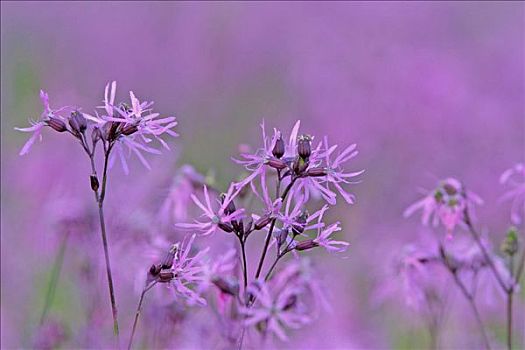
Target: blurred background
(427, 90)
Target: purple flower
(445, 205)
(176, 204)
(323, 239)
(181, 272)
(131, 128)
(514, 179)
(275, 310)
(49, 117)
(257, 162)
(212, 219)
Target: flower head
(213, 219)
(445, 205)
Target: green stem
(55, 274)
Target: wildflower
(446, 205)
(514, 178)
(256, 163)
(176, 204)
(214, 220)
(182, 272)
(323, 239)
(275, 311)
(49, 117)
(130, 129)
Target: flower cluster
(300, 174)
(480, 274)
(127, 128)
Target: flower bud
(262, 222)
(316, 172)
(304, 147)
(227, 286)
(166, 276)
(281, 237)
(278, 148)
(57, 124)
(154, 270)
(129, 129)
(77, 122)
(96, 135)
(276, 164)
(94, 182)
(300, 165)
(226, 227)
(306, 245)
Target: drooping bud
(278, 148)
(316, 172)
(277, 164)
(77, 122)
(129, 129)
(304, 147)
(57, 124)
(262, 222)
(227, 286)
(510, 243)
(306, 245)
(154, 270)
(226, 227)
(94, 182)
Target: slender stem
(244, 265)
(137, 314)
(270, 231)
(106, 247)
(484, 251)
(509, 321)
(467, 296)
(55, 274)
(273, 267)
(99, 197)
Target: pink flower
(514, 179)
(212, 219)
(49, 117)
(323, 239)
(445, 205)
(275, 310)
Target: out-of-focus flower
(176, 204)
(446, 205)
(213, 220)
(514, 179)
(275, 310)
